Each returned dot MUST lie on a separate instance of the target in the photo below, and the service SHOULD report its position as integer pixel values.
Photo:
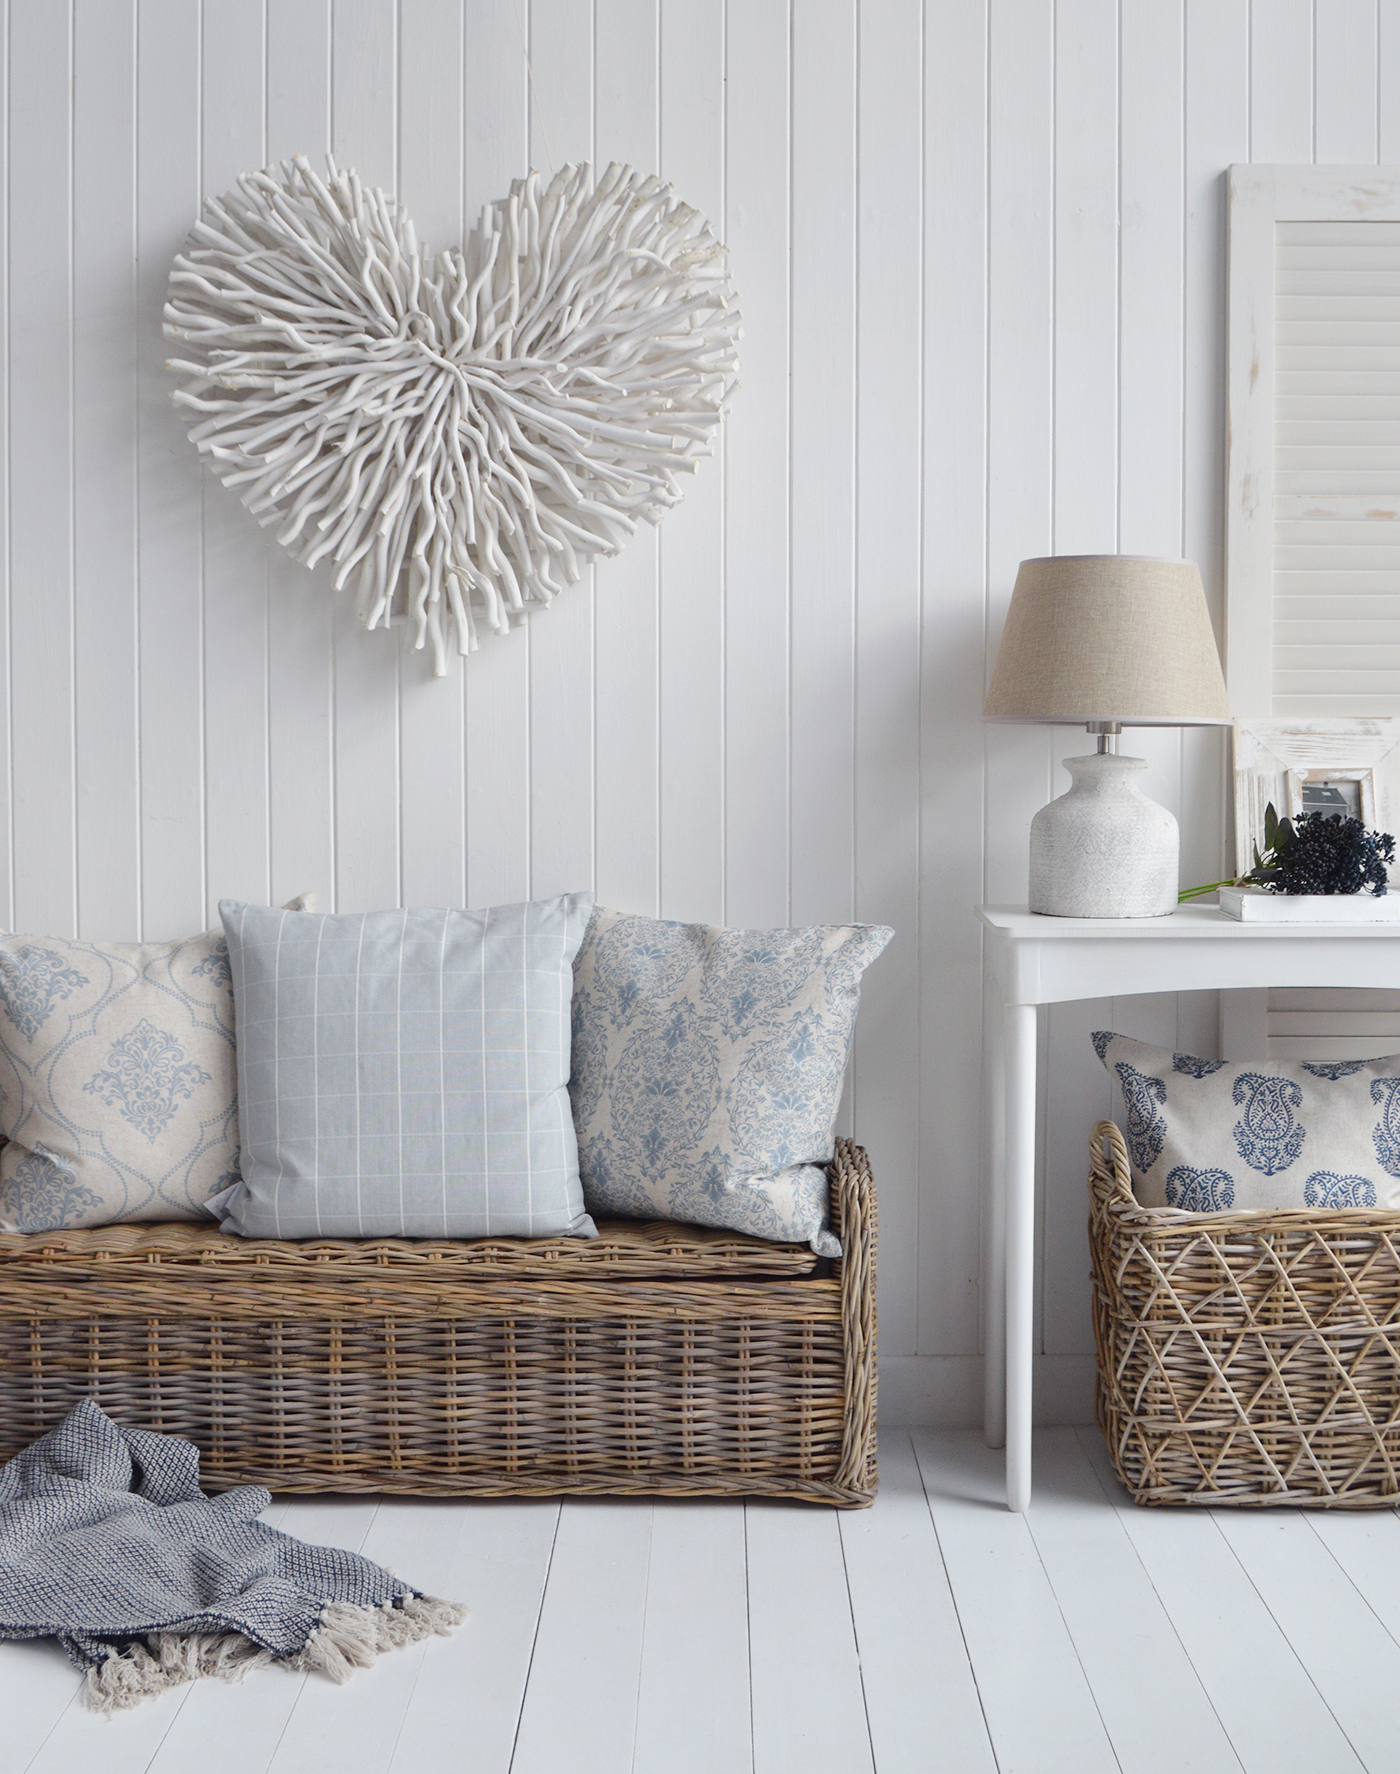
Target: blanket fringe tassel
(344, 1639)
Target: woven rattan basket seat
(633, 1248)
(656, 1358)
(1249, 1358)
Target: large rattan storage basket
(1249, 1358)
(654, 1359)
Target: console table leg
(1020, 1022)
(994, 1221)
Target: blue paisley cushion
(707, 1070)
(1209, 1136)
(405, 1073)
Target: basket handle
(1110, 1179)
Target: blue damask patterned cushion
(1207, 1136)
(117, 1091)
(117, 1080)
(708, 1067)
(405, 1073)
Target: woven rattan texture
(429, 1370)
(639, 1248)
(1248, 1358)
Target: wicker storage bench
(1249, 1358)
(657, 1358)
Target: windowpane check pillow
(707, 1070)
(1208, 1136)
(405, 1073)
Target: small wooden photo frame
(1341, 765)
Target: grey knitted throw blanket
(108, 1544)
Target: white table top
(1042, 960)
(1187, 922)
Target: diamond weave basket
(1249, 1358)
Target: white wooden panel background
(980, 247)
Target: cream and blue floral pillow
(118, 1092)
(707, 1070)
(1211, 1136)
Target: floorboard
(1331, 1627)
(37, 1684)
(1038, 1703)
(932, 1634)
(808, 1705)
(924, 1709)
(1366, 1544)
(1273, 1714)
(470, 1687)
(693, 1698)
(1158, 1716)
(582, 1687)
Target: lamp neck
(1107, 732)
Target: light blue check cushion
(405, 1073)
(117, 1091)
(1208, 1136)
(708, 1067)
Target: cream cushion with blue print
(118, 1093)
(1214, 1136)
(708, 1066)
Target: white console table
(1033, 960)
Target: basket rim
(1111, 1186)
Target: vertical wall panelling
(1150, 273)
(7, 879)
(756, 563)
(41, 510)
(953, 326)
(299, 606)
(887, 572)
(1280, 80)
(496, 682)
(1020, 402)
(1388, 81)
(105, 322)
(979, 247)
(1217, 118)
(364, 134)
(432, 757)
(690, 638)
(235, 549)
(1086, 448)
(562, 737)
(1020, 348)
(170, 485)
(626, 97)
(821, 510)
(1346, 108)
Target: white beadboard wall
(980, 246)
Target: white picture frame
(1275, 758)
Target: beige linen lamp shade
(1114, 638)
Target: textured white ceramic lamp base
(1104, 850)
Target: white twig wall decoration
(457, 432)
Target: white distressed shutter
(1315, 468)
(1337, 468)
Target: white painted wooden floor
(932, 1632)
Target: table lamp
(1106, 641)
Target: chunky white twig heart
(460, 431)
